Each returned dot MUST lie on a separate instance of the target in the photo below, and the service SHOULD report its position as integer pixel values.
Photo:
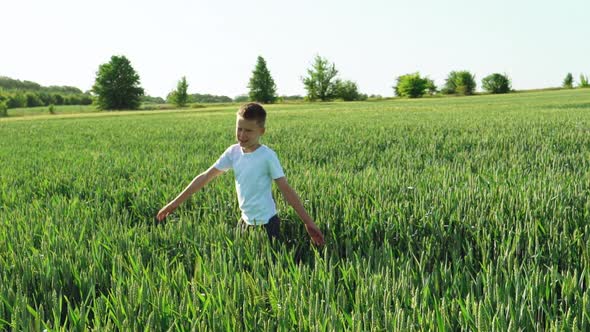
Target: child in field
(255, 166)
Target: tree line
(15, 93)
(322, 83)
(568, 81)
(463, 83)
(117, 86)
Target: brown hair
(253, 111)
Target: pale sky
(215, 43)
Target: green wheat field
(467, 213)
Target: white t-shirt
(254, 172)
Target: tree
(460, 82)
(179, 97)
(430, 86)
(17, 100)
(241, 98)
(262, 86)
(117, 85)
(411, 85)
(3, 108)
(583, 81)
(152, 99)
(33, 99)
(496, 83)
(568, 81)
(348, 91)
(12, 84)
(59, 99)
(36, 95)
(320, 83)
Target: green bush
(206, 98)
(430, 86)
(347, 91)
(86, 99)
(17, 100)
(33, 100)
(46, 98)
(59, 99)
(78, 99)
(411, 86)
(152, 100)
(460, 83)
(3, 109)
(241, 98)
(496, 83)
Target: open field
(455, 213)
(44, 110)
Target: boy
(255, 166)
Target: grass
(77, 110)
(59, 109)
(440, 214)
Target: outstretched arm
(198, 182)
(293, 200)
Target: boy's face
(248, 133)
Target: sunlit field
(467, 213)
(44, 110)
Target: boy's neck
(252, 148)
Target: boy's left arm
(293, 200)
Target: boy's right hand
(165, 211)
(314, 232)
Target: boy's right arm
(198, 182)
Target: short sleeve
(276, 171)
(224, 162)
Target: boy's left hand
(314, 232)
